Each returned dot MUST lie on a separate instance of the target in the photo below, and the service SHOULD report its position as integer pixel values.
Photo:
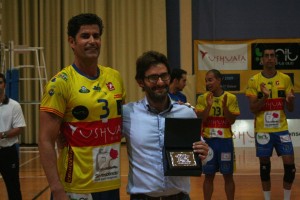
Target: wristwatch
(3, 135)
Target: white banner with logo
(243, 131)
(223, 56)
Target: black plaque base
(179, 158)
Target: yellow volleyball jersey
(91, 112)
(216, 125)
(271, 117)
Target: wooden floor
(34, 184)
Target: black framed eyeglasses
(154, 77)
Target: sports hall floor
(34, 184)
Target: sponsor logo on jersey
(110, 86)
(51, 92)
(225, 156)
(63, 76)
(262, 138)
(97, 88)
(80, 112)
(273, 104)
(285, 138)
(83, 89)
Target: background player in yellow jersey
(218, 110)
(83, 103)
(269, 92)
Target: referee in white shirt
(11, 123)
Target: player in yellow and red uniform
(218, 110)
(83, 103)
(269, 92)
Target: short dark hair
(3, 77)
(77, 21)
(216, 73)
(177, 74)
(267, 47)
(148, 59)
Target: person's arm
(49, 130)
(11, 133)
(230, 117)
(204, 114)
(18, 123)
(255, 103)
(290, 98)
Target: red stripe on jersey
(216, 122)
(69, 172)
(273, 104)
(51, 110)
(83, 134)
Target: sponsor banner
(288, 55)
(231, 82)
(222, 56)
(243, 131)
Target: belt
(179, 196)
(8, 146)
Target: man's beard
(155, 96)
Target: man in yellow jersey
(82, 103)
(269, 92)
(218, 110)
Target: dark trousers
(179, 196)
(111, 195)
(106, 195)
(9, 169)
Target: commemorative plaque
(179, 158)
